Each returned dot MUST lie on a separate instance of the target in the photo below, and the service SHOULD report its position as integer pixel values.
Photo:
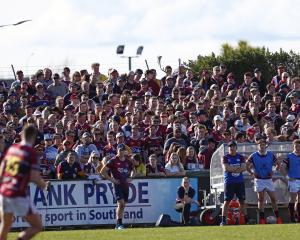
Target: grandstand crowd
(167, 126)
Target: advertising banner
(85, 203)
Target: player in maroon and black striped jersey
(122, 172)
(19, 167)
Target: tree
(245, 58)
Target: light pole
(120, 51)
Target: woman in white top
(174, 166)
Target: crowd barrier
(82, 203)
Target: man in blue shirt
(260, 166)
(234, 165)
(291, 168)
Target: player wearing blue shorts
(291, 168)
(234, 166)
(260, 166)
(122, 172)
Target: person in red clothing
(122, 172)
(152, 83)
(19, 167)
(207, 148)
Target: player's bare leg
(243, 209)
(292, 203)
(6, 222)
(35, 226)
(274, 205)
(224, 212)
(120, 211)
(261, 207)
(297, 204)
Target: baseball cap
(239, 125)
(38, 84)
(47, 136)
(186, 81)
(253, 89)
(290, 118)
(73, 84)
(218, 118)
(55, 76)
(203, 142)
(12, 94)
(138, 71)
(121, 146)
(74, 96)
(116, 118)
(284, 85)
(201, 112)
(244, 115)
(128, 113)
(293, 94)
(143, 80)
(259, 136)
(257, 70)
(85, 135)
(120, 134)
(69, 107)
(148, 93)
(254, 85)
(250, 131)
(232, 143)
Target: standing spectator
(259, 165)
(57, 88)
(152, 83)
(96, 75)
(233, 165)
(291, 168)
(276, 79)
(20, 79)
(122, 171)
(166, 90)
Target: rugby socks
(292, 211)
(261, 215)
(246, 219)
(276, 213)
(224, 218)
(119, 221)
(298, 212)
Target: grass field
(260, 232)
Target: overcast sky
(79, 32)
